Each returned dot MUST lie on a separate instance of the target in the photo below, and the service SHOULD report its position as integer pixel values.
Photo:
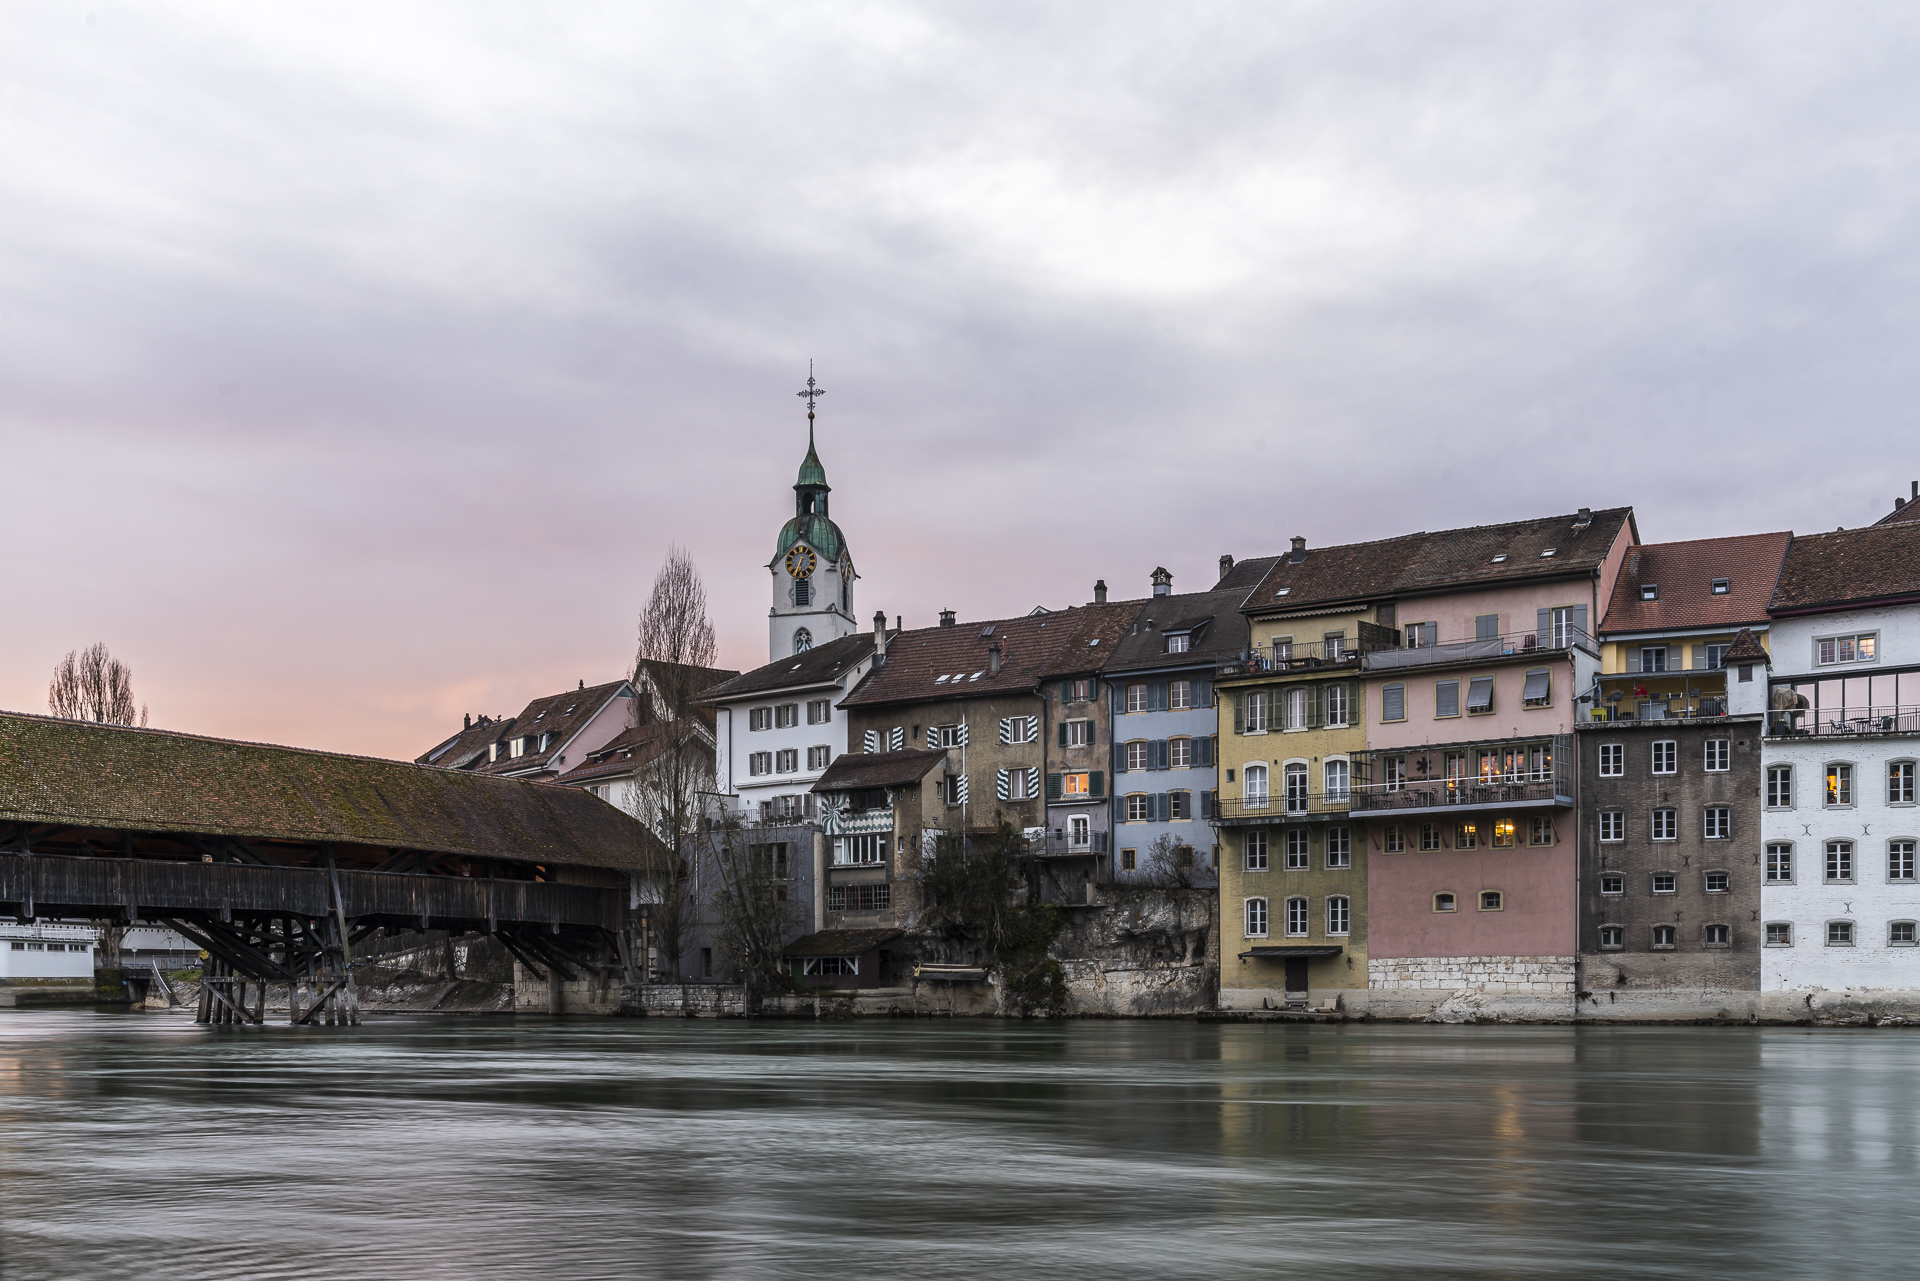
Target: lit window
(1839, 785)
(1466, 836)
(1504, 831)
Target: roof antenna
(811, 394)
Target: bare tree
(94, 686)
(754, 908)
(671, 668)
(1169, 865)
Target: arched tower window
(802, 641)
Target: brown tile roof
(1245, 575)
(1745, 649)
(1449, 558)
(81, 774)
(561, 715)
(952, 662)
(1904, 509)
(627, 751)
(818, 666)
(1849, 567)
(839, 942)
(852, 771)
(1223, 630)
(1684, 574)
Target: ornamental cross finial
(812, 393)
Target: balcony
(1664, 707)
(1451, 777)
(1062, 843)
(1235, 811)
(1807, 722)
(1505, 645)
(1500, 792)
(1313, 656)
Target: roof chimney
(1099, 591)
(583, 682)
(467, 720)
(879, 637)
(1226, 566)
(946, 618)
(1898, 502)
(1299, 552)
(993, 659)
(1162, 581)
(1583, 518)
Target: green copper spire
(810, 523)
(811, 472)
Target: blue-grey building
(1165, 727)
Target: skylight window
(1550, 551)
(1649, 591)
(1283, 591)
(1721, 587)
(939, 680)
(1501, 559)
(976, 676)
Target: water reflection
(145, 1146)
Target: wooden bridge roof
(80, 774)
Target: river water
(142, 1146)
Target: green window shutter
(1063, 733)
(1053, 787)
(1096, 784)
(1066, 692)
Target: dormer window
(1721, 587)
(1649, 591)
(1179, 642)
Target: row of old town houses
(1537, 769)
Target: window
(1900, 934)
(1076, 733)
(786, 715)
(1839, 785)
(819, 711)
(1466, 836)
(1649, 591)
(1779, 934)
(1334, 644)
(1613, 825)
(876, 897)
(1717, 882)
(1443, 902)
(1296, 849)
(1074, 785)
(859, 850)
(1137, 698)
(1653, 658)
(1137, 808)
(1254, 712)
(1663, 936)
(1296, 916)
(1179, 694)
(817, 757)
(1336, 774)
(1446, 699)
(1666, 825)
(1179, 753)
(1540, 830)
(1336, 705)
(1393, 703)
(1665, 883)
(1538, 691)
(760, 763)
(1613, 760)
(1779, 787)
(1429, 836)
(1839, 933)
(1718, 936)
(1339, 847)
(1504, 830)
(1719, 756)
(517, 747)
(1719, 822)
(1780, 861)
(1179, 806)
(1716, 654)
(1295, 776)
(1393, 773)
(1256, 851)
(1666, 757)
(1253, 786)
(1839, 860)
(948, 735)
(1394, 839)
(1019, 784)
(786, 762)
(1612, 883)
(1845, 649)
(1900, 783)
(1296, 708)
(1139, 754)
(1256, 917)
(1130, 860)
(1480, 695)
(1612, 936)
(1420, 635)
(1560, 621)
(1178, 642)
(1899, 860)
(1491, 901)
(1721, 587)
(1339, 914)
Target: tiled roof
(86, 775)
(627, 751)
(818, 666)
(560, 715)
(1225, 630)
(851, 771)
(1745, 649)
(1849, 567)
(1684, 574)
(1245, 575)
(839, 942)
(953, 662)
(1449, 558)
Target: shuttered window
(1480, 694)
(1446, 698)
(1538, 687)
(1393, 703)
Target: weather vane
(812, 393)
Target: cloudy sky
(359, 363)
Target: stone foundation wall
(674, 1000)
(1543, 975)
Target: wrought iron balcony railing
(1310, 656)
(1504, 645)
(1279, 808)
(1462, 793)
(1823, 722)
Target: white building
(1840, 900)
(46, 962)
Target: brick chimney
(1299, 552)
(1099, 591)
(879, 637)
(993, 659)
(946, 618)
(1226, 566)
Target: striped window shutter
(1580, 623)
(1006, 733)
(899, 738)
(1053, 787)
(962, 739)
(933, 736)
(1033, 729)
(873, 740)
(1033, 780)
(1096, 784)
(963, 789)
(1000, 783)
(1543, 628)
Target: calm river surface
(141, 1146)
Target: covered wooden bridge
(277, 860)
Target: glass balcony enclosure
(1878, 703)
(1501, 774)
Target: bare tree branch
(94, 686)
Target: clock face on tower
(800, 561)
(846, 567)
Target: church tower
(811, 567)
